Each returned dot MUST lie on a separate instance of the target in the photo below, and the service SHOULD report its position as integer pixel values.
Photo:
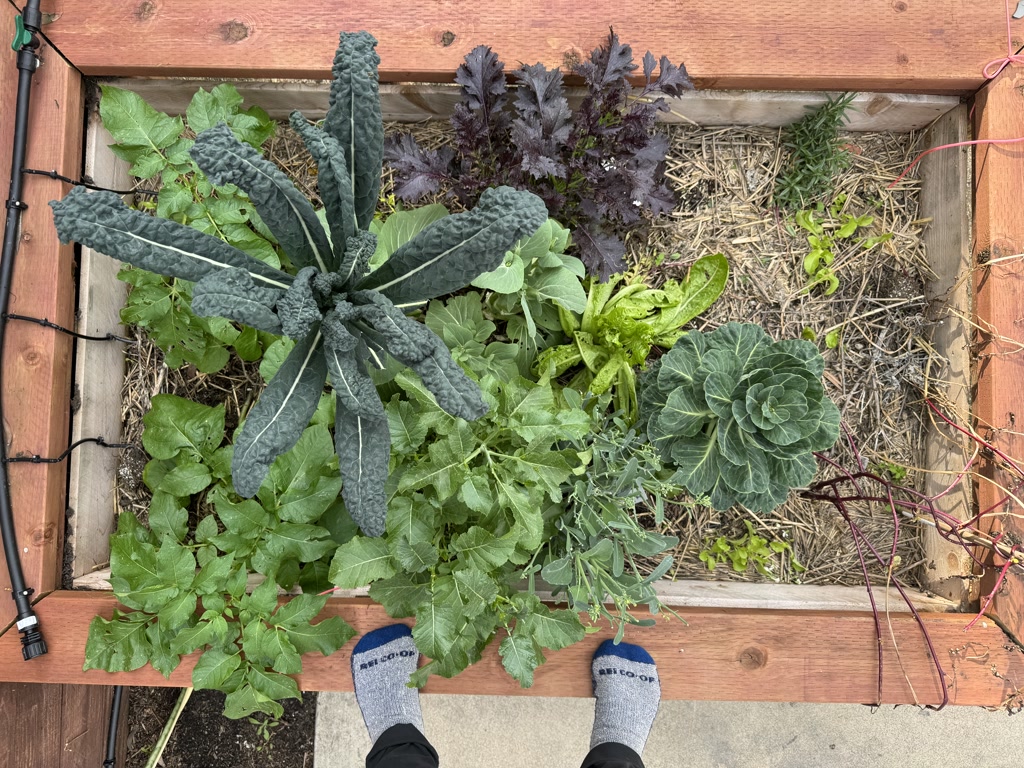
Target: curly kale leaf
(354, 118)
(289, 215)
(101, 220)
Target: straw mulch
(723, 178)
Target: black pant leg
(612, 755)
(402, 746)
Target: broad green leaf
(361, 561)
(275, 646)
(437, 620)
(520, 657)
(326, 636)
(555, 629)
(508, 277)
(214, 668)
(354, 119)
(174, 423)
(246, 518)
(481, 548)
(209, 108)
(413, 557)
(459, 321)
(272, 685)
(177, 611)
(476, 591)
(401, 227)
(189, 639)
(100, 220)
(117, 645)
(213, 575)
(285, 210)
(703, 285)
(167, 516)
(301, 609)
(133, 123)
(188, 478)
(399, 595)
(561, 287)
(278, 419)
(246, 701)
(408, 429)
(452, 251)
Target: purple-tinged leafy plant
(598, 169)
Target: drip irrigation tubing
(115, 716)
(27, 43)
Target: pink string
(1000, 64)
(920, 157)
(1010, 58)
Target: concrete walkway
(496, 732)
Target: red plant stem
(979, 440)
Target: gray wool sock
(382, 662)
(628, 694)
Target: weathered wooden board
(703, 594)
(410, 103)
(939, 46)
(752, 655)
(99, 376)
(999, 285)
(946, 186)
(62, 726)
(36, 360)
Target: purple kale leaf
(672, 80)
(544, 123)
(480, 121)
(418, 171)
(603, 254)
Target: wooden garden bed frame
(780, 654)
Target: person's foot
(382, 662)
(628, 694)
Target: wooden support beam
(59, 726)
(946, 187)
(725, 654)
(36, 360)
(999, 285)
(939, 46)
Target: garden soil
(204, 738)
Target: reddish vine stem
(921, 507)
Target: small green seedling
(748, 549)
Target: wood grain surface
(36, 360)
(999, 285)
(743, 655)
(61, 726)
(938, 46)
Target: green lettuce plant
(739, 415)
(341, 317)
(619, 325)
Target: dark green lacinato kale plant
(342, 318)
(598, 167)
(739, 415)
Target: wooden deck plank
(37, 361)
(750, 655)
(999, 286)
(938, 46)
(60, 726)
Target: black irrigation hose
(115, 715)
(32, 643)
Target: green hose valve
(22, 36)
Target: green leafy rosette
(739, 415)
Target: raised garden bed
(741, 653)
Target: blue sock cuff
(626, 651)
(378, 637)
